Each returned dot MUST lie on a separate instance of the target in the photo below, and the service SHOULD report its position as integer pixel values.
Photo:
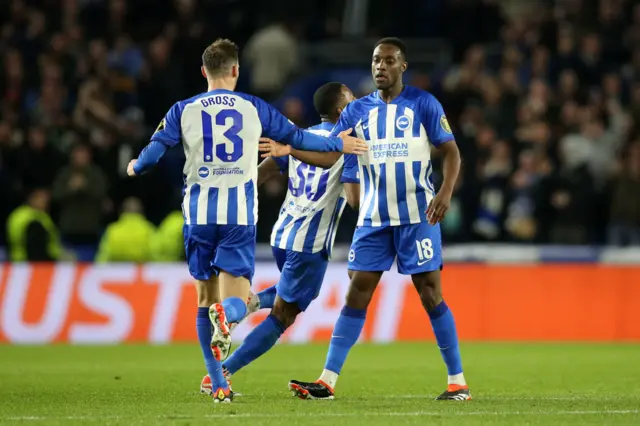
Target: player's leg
(265, 298)
(235, 263)
(299, 285)
(420, 255)
(371, 253)
(200, 250)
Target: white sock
(329, 377)
(457, 379)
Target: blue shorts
(301, 276)
(418, 247)
(214, 248)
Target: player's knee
(361, 289)
(285, 312)
(429, 289)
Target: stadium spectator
(624, 228)
(79, 190)
(128, 239)
(31, 233)
(273, 58)
(168, 241)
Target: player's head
(220, 61)
(388, 62)
(330, 99)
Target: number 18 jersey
(315, 201)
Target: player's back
(395, 174)
(315, 201)
(220, 134)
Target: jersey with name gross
(220, 132)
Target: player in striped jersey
(399, 211)
(219, 131)
(303, 235)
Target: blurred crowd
(544, 98)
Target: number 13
(231, 134)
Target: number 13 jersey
(220, 132)
(315, 201)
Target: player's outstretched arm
(166, 135)
(307, 141)
(148, 158)
(325, 160)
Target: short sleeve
(274, 125)
(435, 120)
(350, 171)
(282, 162)
(169, 130)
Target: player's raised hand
(438, 207)
(130, 170)
(352, 145)
(271, 148)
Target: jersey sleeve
(350, 169)
(282, 162)
(277, 127)
(169, 130)
(435, 121)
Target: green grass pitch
(381, 384)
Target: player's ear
(405, 65)
(204, 73)
(235, 71)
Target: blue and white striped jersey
(395, 174)
(314, 204)
(220, 132)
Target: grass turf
(510, 383)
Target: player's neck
(328, 120)
(387, 95)
(220, 83)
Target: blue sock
(235, 308)
(345, 335)
(267, 297)
(214, 367)
(260, 340)
(444, 327)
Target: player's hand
(271, 148)
(130, 170)
(352, 145)
(438, 207)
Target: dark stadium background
(544, 98)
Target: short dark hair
(394, 41)
(326, 98)
(219, 56)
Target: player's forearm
(319, 159)
(149, 156)
(307, 141)
(267, 170)
(450, 166)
